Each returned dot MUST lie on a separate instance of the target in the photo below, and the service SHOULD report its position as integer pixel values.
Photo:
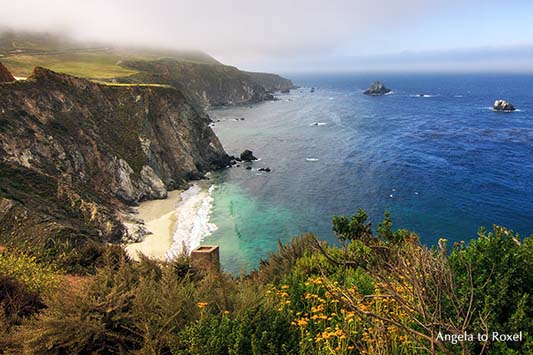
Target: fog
(284, 35)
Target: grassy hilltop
(202, 78)
(21, 52)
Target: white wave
(312, 159)
(458, 96)
(423, 95)
(390, 93)
(504, 111)
(318, 124)
(192, 220)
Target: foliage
(499, 267)
(37, 278)
(379, 293)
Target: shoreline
(176, 224)
(159, 218)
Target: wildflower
(202, 305)
(302, 322)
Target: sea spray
(192, 220)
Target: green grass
(129, 85)
(93, 65)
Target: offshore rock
(502, 105)
(247, 155)
(377, 88)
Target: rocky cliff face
(5, 75)
(208, 85)
(271, 82)
(73, 153)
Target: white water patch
(312, 159)
(502, 111)
(193, 213)
(318, 124)
(423, 95)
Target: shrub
(24, 269)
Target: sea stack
(5, 75)
(377, 88)
(247, 155)
(502, 105)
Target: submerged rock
(502, 105)
(265, 169)
(377, 88)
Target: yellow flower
(302, 322)
(202, 305)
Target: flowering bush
(38, 278)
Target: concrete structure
(206, 257)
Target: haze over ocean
(443, 163)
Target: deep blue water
(443, 165)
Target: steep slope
(208, 85)
(271, 82)
(74, 153)
(5, 75)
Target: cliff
(74, 154)
(271, 82)
(5, 75)
(208, 85)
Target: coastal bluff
(75, 154)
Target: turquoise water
(443, 164)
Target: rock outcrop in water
(74, 154)
(377, 88)
(247, 155)
(5, 75)
(502, 105)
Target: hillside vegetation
(202, 78)
(372, 293)
(21, 52)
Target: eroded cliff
(208, 85)
(74, 153)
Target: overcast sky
(304, 35)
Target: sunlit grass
(93, 65)
(126, 84)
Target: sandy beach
(159, 217)
(177, 222)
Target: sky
(303, 35)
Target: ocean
(433, 153)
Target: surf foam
(192, 220)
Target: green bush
(498, 266)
